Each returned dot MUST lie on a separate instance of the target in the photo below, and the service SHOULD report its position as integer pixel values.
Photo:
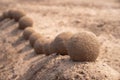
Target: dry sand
(18, 61)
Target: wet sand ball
(39, 45)
(27, 32)
(83, 46)
(34, 37)
(25, 22)
(60, 43)
(16, 14)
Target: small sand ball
(25, 22)
(47, 47)
(52, 50)
(16, 14)
(6, 14)
(39, 45)
(1, 18)
(83, 46)
(60, 43)
(27, 32)
(33, 37)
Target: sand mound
(61, 68)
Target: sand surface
(18, 61)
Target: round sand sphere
(83, 46)
(52, 50)
(60, 42)
(27, 32)
(16, 14)
(47, 47)
(33, 37)
(25, 22)
(6, 14)
(1, 18)
(39, 45)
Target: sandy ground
(18, 61)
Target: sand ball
(83, 46)
(52, 50)
(25, 22)
(27, 32)
(1, 18)
(47, 47)
(6, 14)
(33, 37)
(39, 45)
(16, 14)
(60, 42)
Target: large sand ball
(16, 14)
(83, 46)
(34, 37)
(27, 32)
(60, 42)
(39, 45)
(25, 22)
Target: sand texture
(18, 60)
